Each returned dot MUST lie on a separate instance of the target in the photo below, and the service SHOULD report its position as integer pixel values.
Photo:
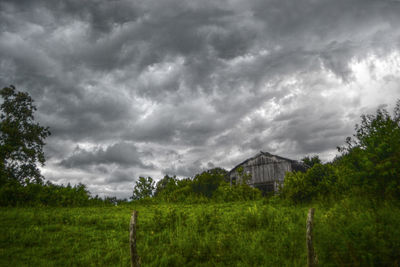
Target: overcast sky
(149, 87)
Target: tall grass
(251, 233)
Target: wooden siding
(266, 170)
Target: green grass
(253, 233)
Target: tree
(208, 181)
(144, 187)
(166, 185)
(372, 155)
(311, 161)
(21, 138)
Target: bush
(227, 192)
(207, 182)
(320, 181)
(358, 232)
(48, 194)
(200, 189)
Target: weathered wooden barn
(266, 171)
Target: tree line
(209, 185)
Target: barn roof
(265, 154)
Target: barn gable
(267, 171)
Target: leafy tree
(311, 161)
(21, 138)
(166, 185)
(208, 181)
(371, 158)
(172, 189)
(318, 181)
(144, 187)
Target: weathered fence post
(311, 256)
(135, 261)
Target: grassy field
(261, 233)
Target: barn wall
(264, 170)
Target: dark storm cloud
(119, 177)
(187, 169)
(124, 154)
(157, 87)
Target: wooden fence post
(135, 261)
(311, 256)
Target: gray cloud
(187, 169)
(119, 177)
(124, 154)
(134, 88)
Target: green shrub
(227, 193)
(207, 182)
(320, 181)
(358, 232)
(48, 194)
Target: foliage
(318, 182)
(240, 192)
(370, 160)
(111, 201)
(358, 232)
(48, 194)
(198, 189)
(207, 186)
(311, 161)
(21, 138)
(166, 185)
(208, 181)
(172, 189)
(144, 188)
